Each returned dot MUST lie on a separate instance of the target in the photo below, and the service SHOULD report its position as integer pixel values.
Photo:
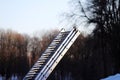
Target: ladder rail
(60, 56)
(42, 71)
(51, 57)
(57, 55)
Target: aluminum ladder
(52, 55)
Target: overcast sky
(28, 16)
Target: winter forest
(91, 57)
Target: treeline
(13, 53)
(87, 59)
(19, 52)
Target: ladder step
(41, 60)
(57, 40)
(30, 75)
(39, 63)
(36, 68)
(50, 51)
(43, 57)
(46, 54)
(66, 32)
(28, 78)
(33, 71)
(51, 48)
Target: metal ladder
(52, 55)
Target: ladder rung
(42, 57)
(52, 45)
(38, 64)
(46, 54)
(66, 32)
(56, 40)
(41, 60)
(28, 78)
(35, 68)
(50, 51)
(29, 75)
(51, 48)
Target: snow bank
(114, 77)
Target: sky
(30, 16)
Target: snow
(114, 77)
(14, 77)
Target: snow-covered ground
(114, 77)
(12, 78)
